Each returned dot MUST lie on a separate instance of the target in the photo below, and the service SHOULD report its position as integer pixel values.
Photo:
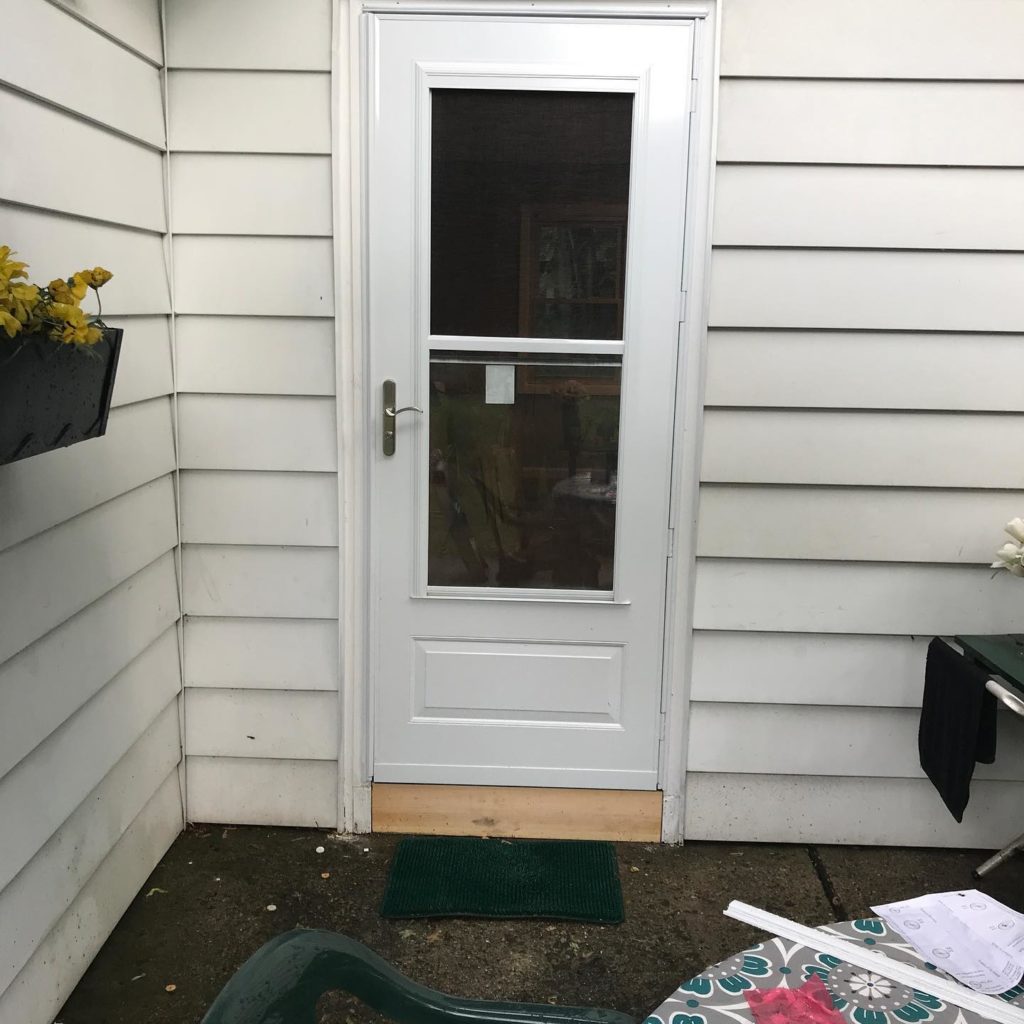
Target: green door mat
(442, 876)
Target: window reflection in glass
(523, 470)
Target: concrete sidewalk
(204, 911)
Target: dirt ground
(204, 911)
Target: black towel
(958, 724)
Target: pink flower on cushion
(809, 1004)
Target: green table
(1001, 654)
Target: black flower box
(53, 394)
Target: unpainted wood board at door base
(620, 815)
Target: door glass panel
(529, 194)
(523, 470)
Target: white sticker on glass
(500, 386)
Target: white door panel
(526, 187)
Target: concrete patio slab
(862, 876)
(204, 910)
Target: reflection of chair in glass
(551, 521)
(445, 494)
(500, 485)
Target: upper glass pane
(529, 195)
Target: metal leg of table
(997, 858)
(1012, 701)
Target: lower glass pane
(523, 470)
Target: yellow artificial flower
(81, 334)
(95, 278)
(10, 269)
(21, 300)
(74, 327)
(10, 324)
(67, 312)
(60, 292)
(63, 311)
(55, 310)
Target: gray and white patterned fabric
(716, 996)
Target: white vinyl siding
(912, 39)
(914, 207)
(861, 416)
(269, 112)
(251, 213)
(89, 668)
(817, 121)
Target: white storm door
(526, 184)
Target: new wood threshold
(614, 814)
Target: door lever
(390, 412)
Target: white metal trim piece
(347, 114)
(989, 1007)
(669, 9)
(688, 434)
(558, 346)
(175, 415)
(524, 594)
(525, 77)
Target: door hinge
(671, 542)
(682, 306)
(694, 84)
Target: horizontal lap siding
(849, 741)
(260, 508)
(255, 355)
(871, 524)
(40, 987)
(263, 791)
(860, 418)
(43, 891)
(919, 449)
(274, 654)
(892, 207)
(95, 77)
(839, 809)
(251, 212)
(89, 665)
(809, 369)
(975, 124)
(923, 39)
(867, 290)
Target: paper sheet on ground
(971, 936)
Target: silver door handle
(390, 412)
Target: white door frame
(352, 357)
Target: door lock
(389, 413)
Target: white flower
(1015, 528)
(1011, 558)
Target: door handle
(389, 413)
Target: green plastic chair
(281, 983)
